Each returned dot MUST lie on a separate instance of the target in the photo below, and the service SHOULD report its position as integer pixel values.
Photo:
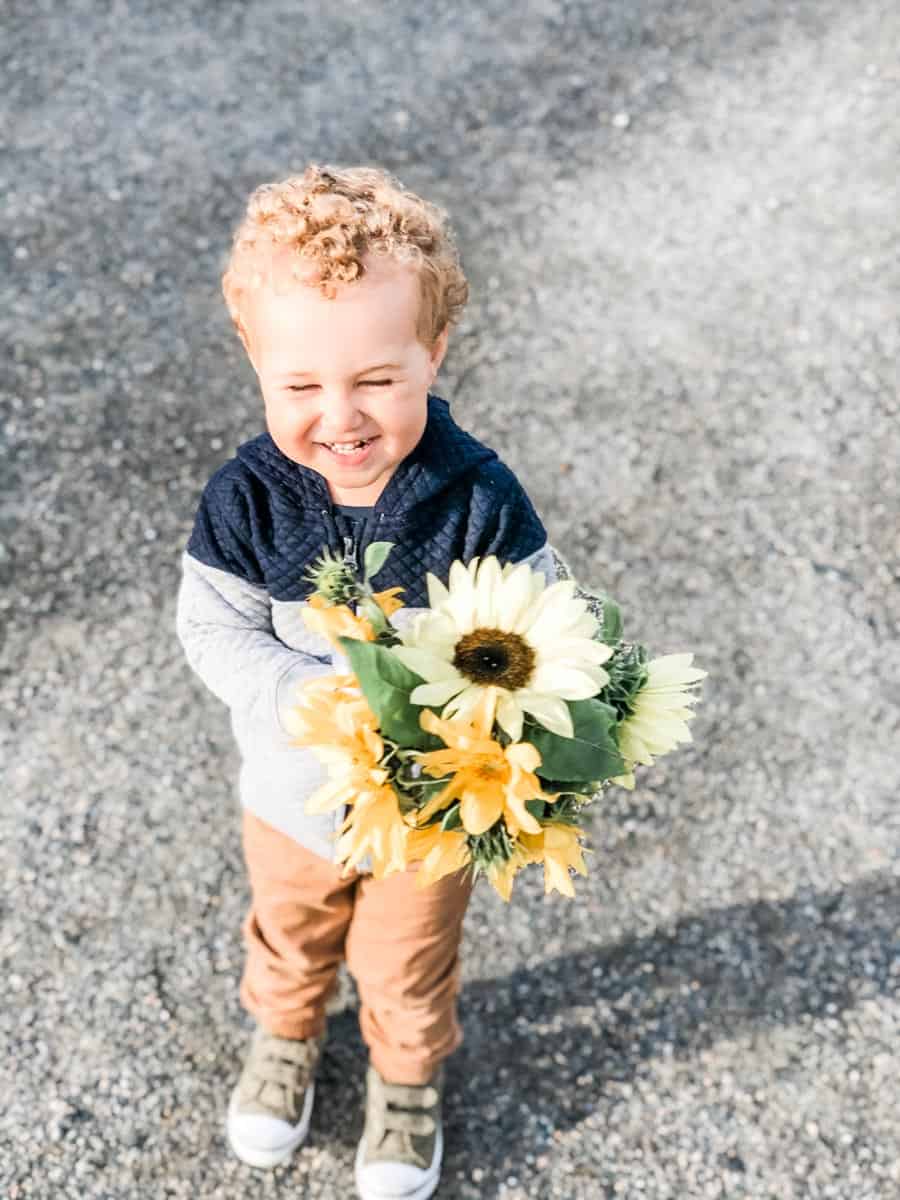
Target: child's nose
(340, 410)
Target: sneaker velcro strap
(273, 1071)
(301, 1053)
(400, 1121)
(410, 1097)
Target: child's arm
(223, 618)
(224, 624)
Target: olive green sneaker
(270, 1109)
(399, 1156)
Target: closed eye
(308, 387)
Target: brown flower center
(493, 656)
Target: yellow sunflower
(342, 731)
(504, 629)
(334, 720)
(660, 712)
(489, 780)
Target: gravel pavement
(680, 224)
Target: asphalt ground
(680, 225)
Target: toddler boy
(343, 288)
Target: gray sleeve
(562, 570)
(224, 624)
(543, 560)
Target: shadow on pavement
(543, 1042)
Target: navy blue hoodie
(265, 518)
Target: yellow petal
(331, 795)
(459, 734)
(501, 877)
(564, 842)
(480, 809)
(524, 755)
(442, 852)
(335, 621)
(443, 799)
(421, 842)
(557, 878)
(388, 601)
(517, 815)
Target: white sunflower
(508, 630)
(659, 713)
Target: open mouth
(347, 448)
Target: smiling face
(334, 371)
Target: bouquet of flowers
(474, 737)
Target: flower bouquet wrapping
(474, 737)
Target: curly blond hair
(333, 217)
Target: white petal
(488, 594)
(437, 694)
(669, 705)
(465, 702)
(660, 735)
(458, 575)
(518, 600)
(632, 747)
(574, 651)
(568, 682)
(625, 781)
(558, 615)
(437, 592)
(461, 603)
(551, 596)
(586, 626)
(435, 632)
(430, 666)
(673, 670)
(510, 715)
(549, 710)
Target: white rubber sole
(426, 1188)
(270, 1156)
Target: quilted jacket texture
(262, 521)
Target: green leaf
(535, 807)
(371, 611)
(452, 818)
(611, 629)
(375, 558)
(580, 787)
(590, 755)
(386, 684)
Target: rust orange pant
(401, 945)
